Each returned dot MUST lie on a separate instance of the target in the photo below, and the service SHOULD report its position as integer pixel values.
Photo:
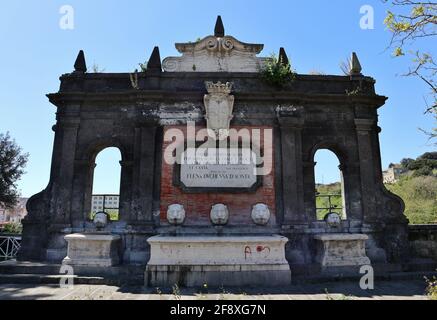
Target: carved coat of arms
(219, 105)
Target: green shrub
(431, 289)
(277, 73)
(13, 227)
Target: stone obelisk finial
(283, 59)
(355, 66)
(219, 30)
(155, 60)
(80, 64)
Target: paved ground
(384, 290)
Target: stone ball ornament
(101, 220)
(176, 214)
(260, 214)
(333, 220)
(219, 214)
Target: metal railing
(111, 209)
(328, 205)
(9, 246)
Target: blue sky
(117, 35)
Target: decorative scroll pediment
(216, 54)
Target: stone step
(420, 275)
(53, 279)
(36, 272)
(12, 267)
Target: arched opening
(106, 183)
(329, 184)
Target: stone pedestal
(98, 250)
(341, 250)
(229, 261)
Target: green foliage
(431, 289)
(96, 68)
(12, 163)
(423, 171)
(354, 92)
(13, 228)
(428, 156)
(410, 22)
(176, 292)
(114, 214)
(406, 162)
(423, 165)
(277, 73)
(420, 196)
(143, 66)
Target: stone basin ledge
(341, 250)
(93, 249)
(225, 260)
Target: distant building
(100, 202)
(391, 175)
(14, 215)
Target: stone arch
(334, 147)
(346, 174)
(106, 197)
(92, 149)
(84, 176)
(328, 198)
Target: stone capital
(365, 124)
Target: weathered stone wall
(102, 110)
(423, 241)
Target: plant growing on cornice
(354, 92)
(134, 79)
(143, 66)
(97, 69)
(276, 73)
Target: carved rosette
(219, 105)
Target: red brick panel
(198, 206)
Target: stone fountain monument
(217, 171)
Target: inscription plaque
(220, 171)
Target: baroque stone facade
(134, 111)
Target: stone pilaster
(64, 158)
(292, 170)
(82, 193)
(125, 189)
(143, 175)
(309, 190)
(368, 163)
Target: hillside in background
(420, 197)
(416, 184)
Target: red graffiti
(247, 251)
(260, 249)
